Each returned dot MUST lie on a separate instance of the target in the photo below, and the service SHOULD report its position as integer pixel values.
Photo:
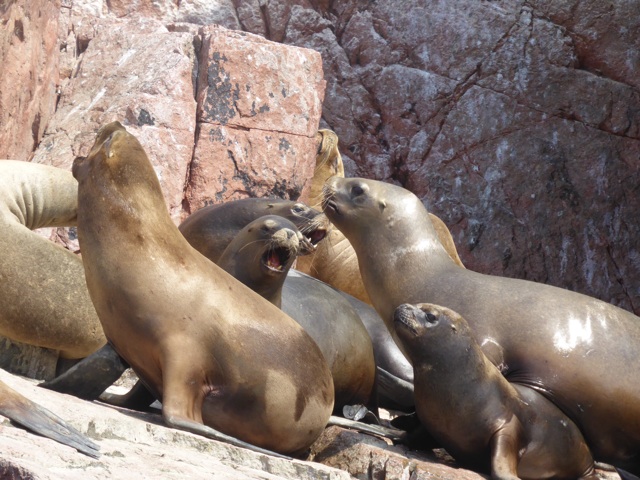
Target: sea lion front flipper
(505, 444)
(37, 419)
(138, 398)
(182, 404)
(173, 417)
(394, 390)
(91, 376)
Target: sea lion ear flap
(382, 204)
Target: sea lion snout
(404, 318)
(416, 318)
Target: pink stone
(28, 74)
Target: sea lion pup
(475, 413)
(335, 261)
(218, 356)
(561, 343)
(211, 229)
(260, 256)
(44, 299)
(37, 419)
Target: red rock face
(28, 73)
(252, 135)
(518, 124)
(258, 108)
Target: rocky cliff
(517, 122)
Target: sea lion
(481, 419)
(211, 229)
(335, 261)
(561, 343)
(394, 373)
(37, 419)
(44, 299)
(260, 256)
(218, 356)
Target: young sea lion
(475, 413)
(260, 256)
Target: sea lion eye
(297, 208)
(357, 190)
(431, 317)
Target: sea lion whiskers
(316, 229)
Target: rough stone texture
(140, 74)
(133, 445)
(137, 445)
(260, 105)
(517, 122)
(28, 360)
(255, 119)
(367, 458)
(29, 73)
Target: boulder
(133, 445)
(251, 133)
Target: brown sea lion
(37, 419)
(219, 357)
(44, 299)
(211, 229)
(260, 256)
(481, 419)
(561, 343)
(335, 261)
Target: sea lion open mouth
(276, 258)
(316, 236)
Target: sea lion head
(117, 156)
(280, 241)
(354, 204)
(421, 326)
(311, 223)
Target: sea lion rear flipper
(387, 432)
(184, 423)
(91, 376)
(394, 390)
(138, 398)
(37, 419)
